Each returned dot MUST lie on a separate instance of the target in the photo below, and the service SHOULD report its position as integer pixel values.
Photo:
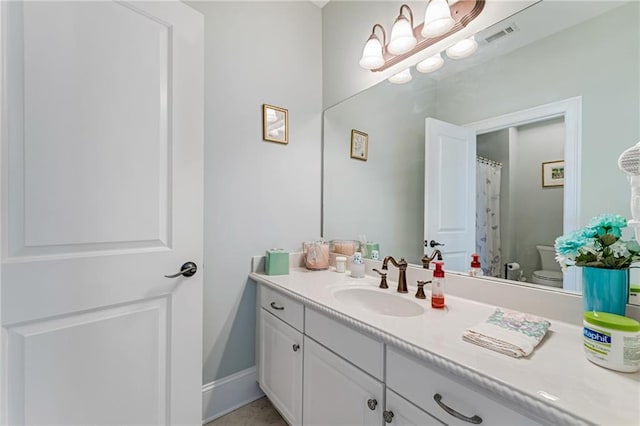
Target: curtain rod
(487, 161)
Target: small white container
(612, 341)
(341, 264)
(357, 270)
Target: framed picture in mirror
(359, 145)
(552, 173)
(275, 124)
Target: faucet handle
(383, 278)
(420, 293)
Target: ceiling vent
(501, 33)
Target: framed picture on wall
(275, 124)
(359, 145)
(552, 173)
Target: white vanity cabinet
(319, 369)
(280, 353)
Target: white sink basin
(379, 302)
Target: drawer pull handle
(276, 307)
(296, 347)
(387, 416)
(372, 404)
(476, 420)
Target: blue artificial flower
(589, 232)
(608, 223)
(598, 244)
(570, 244)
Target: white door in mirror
(450, 188)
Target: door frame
(571, 110)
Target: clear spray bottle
(437, 286)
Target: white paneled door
(450, 192)
(102, 139)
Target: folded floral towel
(509, 332)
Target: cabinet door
(401, 412)
(336, 392)
(281, 348)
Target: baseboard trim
(222, 396)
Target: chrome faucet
(402, 275)
(426, 260)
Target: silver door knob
(387, 416)
(189, 269)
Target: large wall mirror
(585, 54)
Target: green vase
(605, 290)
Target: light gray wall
(258, 194)
(390, 184)
(573, 63)
(537, 211)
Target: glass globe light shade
(463, 48)
(402, 38)
(430, 64)
(402, 77)
(437, 19)
(372, 54)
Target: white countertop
(556, 380)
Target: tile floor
(257, 413)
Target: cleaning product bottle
(476, 270)
(437, 286)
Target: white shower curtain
(488, 216)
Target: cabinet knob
(476, 420)
(387, 416)
(372, 404)
(296, 347)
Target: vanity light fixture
(402, 77)
(463, 48)
(431, 64)
(441, 21)
(402, 39)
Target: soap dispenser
(476, 269)
(437, 287)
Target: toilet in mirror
(551, 273)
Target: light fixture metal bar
(462, 12)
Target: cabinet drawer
(284, 307)
(359, 349)
(418, 383)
